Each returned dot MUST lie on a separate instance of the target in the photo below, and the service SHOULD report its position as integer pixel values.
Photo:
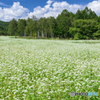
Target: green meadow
(41, 69)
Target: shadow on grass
(72, 41)
(87, 42)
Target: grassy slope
(48, 69)
(4, 24)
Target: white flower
(24, 90)
(39, 92)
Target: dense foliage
(3, 28)
(85, 24)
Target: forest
(85, 24)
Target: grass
(48, 69)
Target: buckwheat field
(37, 69)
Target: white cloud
(95, 6)
(52, 8)
(1, 12)
(58, 7)
(3, 4)
(15, 11)
(40, 12)
(49, 2)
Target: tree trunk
(42, 34)
(25, 34)
(15, 35)
(35, 34)
(46, 34)
(38, 33)
(51, 34)
(30, 34)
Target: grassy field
(48, 69)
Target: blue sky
(42, 8)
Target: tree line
(85, 24)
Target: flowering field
(48, 69)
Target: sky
(17, 9)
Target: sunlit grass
(48, 69)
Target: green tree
(79, 14)
(30, 25)
(35, 25)
(27, 31)
(12, 29)
(63, 24)
(4, 28)
(21, 26)
(73, 31)
(55, 30)
(98, 19)
(77, 36)
(51, 25)
(38, 27)
(85, 27)
(85, 14)
(42, 26)
(45, 27)
(96, 34)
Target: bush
(77, 36)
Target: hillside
(4, 24)
(3, 27)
